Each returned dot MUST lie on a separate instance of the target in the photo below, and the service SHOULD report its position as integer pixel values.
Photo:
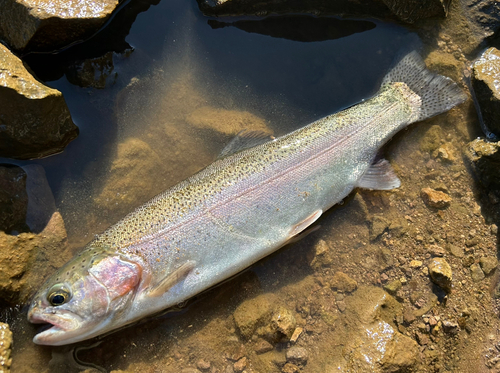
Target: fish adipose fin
(380, 176)
(437, 93)
(172, 279)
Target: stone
(322, 257)
(379, 225)
(440, 273)
(435, 198)
(436, 250)
(227, 122)
(455, 250)
(450, 327)
(393, 286)
(13, 199)
(94, 72)
(485, 78)
(408, 316)
(24, 265)
(343, 283)
(47, 25)
(484, 157)
(476, 272)
(262, 346)
(297, 355)
(251, 314)
(203, 364)
(296, 334)
(283, 322)
(240, 365)
(290, 368)
(416, 264)
(431, 141)
(407, 11)
(488, 264)
(5, 348)
(34, 119)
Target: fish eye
(58, 295)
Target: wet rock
(262, 346)
(379, 225)
(343, 283)
(436, 250)
(408, 316)
(393, 287)
(322, 257)
(252, 314)
(485, 160)
(440, 272)
(34, 119)
(297, 355)
(435, 198)
(476, 272)
(296, 334)
(290, 368)
(407, 11)
(485, 77)
(135, 160)
(24, 265)
(94, 72)
(455, 250)
(240, 365)
(488, 264)
(431, 141)
(5, 348)
(416, 264)
(450, 327)
(42, 25)
(13, 198)
(203, 364)
(228, 122)
(283, 322)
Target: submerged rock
(5, 348)
(34, 119)
(251, 314)
(46, 25)
(484, 158)
(440, 272)
(435, 198)
(94, 72)
(486, 84)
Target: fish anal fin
(171, 279)
(380, 176)
(245, 140)
(300, 227)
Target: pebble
(203, 364)
(455, 250)
(240, 365)
(416, 264)
(494, 229)
(468, 261)
(290, 368)
(435, 198)
(450, 327)
(436, 250)
(5, 347)
(408, 316)
(476, 272)
(440, 273)
(488, 264)
(343, 283)
(263, 346)
(393, 286)
(297, 355)
(296, 334)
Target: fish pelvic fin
(380, 176)
(171, 279)
(437, 93)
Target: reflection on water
(189, 86)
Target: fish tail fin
(437, 93)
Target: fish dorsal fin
(172, 279)
(380, 176)
(245, 140)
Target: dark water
(286, 70)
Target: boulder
(407, 11)
(485, 77)
(34, 119)
(46, 25)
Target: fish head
(87, 297)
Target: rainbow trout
(244, 206)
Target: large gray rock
(408, 10)
(34, 119)
(486, 84)
(44, 25)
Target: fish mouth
(58, 327)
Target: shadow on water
(299, 28)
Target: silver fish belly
(234, 212)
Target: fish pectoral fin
(300, 227)
(244, 140)
(172, 279)
(380, 176)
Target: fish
(257, 196)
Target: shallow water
(187, 87)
